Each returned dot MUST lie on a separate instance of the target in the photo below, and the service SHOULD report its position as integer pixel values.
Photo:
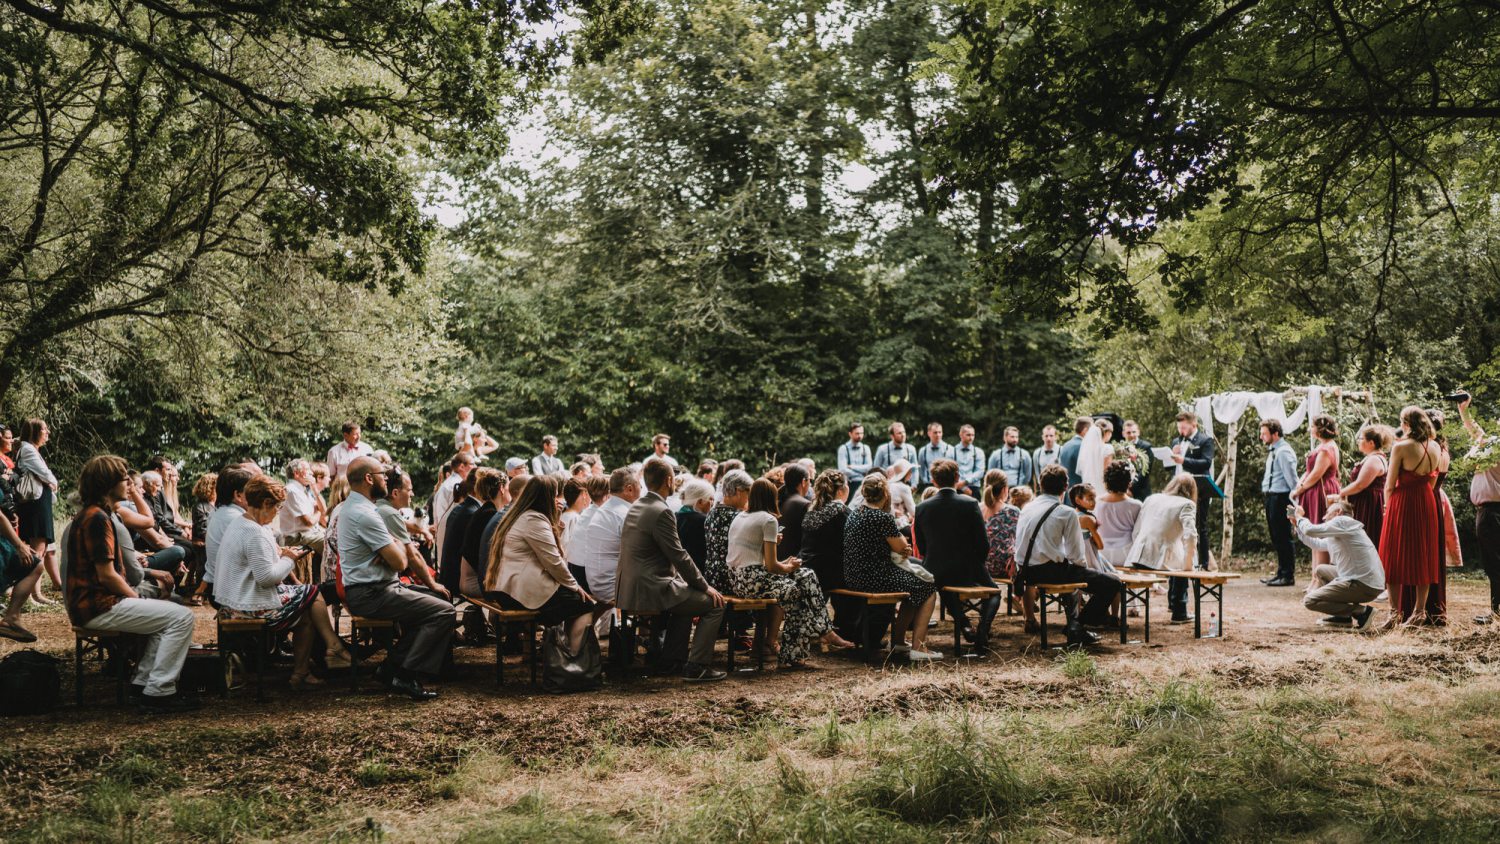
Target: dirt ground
(311, 743)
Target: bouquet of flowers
(1138, 459)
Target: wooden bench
(259, 634)
(876, 603)
(1136, 588)
(630, 624)
(98, 643)
(362, 631)
(971, 599)
(1209, 584)
(500, 617)
(1060, 595)
(761, 609)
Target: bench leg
(78, 671)
(729, 649)
(762, 626)
(499, 655)
(122, 675)
(1197, 609)
(1042, 601)
(353, 655)
(1146, 614)
(531, 628)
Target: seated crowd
(650, 538)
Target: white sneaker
(923, 656)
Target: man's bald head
(367, 477)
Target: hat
(514, 463)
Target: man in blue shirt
(893, 452)
(854, 457)
(369, 561)
(931, 453)
(1277, 485)
(1013, 460)
(970, 460)
(1068, 456)
(1047, 454)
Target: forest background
(744, 223)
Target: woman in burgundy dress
(1410, 536)
(1436, 605)
(1366, 490)
(1321, 479)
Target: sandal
(12, 630)
(338, 660)
(305, 681)
(1418, 618)
(1392, 621)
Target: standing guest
(801, 612)
(370, 561)
(1194, 451)
(1049, 546)
(854, 459)
(1140, 486)
(692, 519)
(526, 567)
(1166, 538)
(792, 507)
(99, 598)
(481, 444)
(656, 574)
(251, 573)
(35, 515)
(823, 547)
(1412, 532)
(489, 489)
(707, 470)
(734, 497)
(950, 530)
(1365, 492)
(1449, 552)
(575, 498)
(391, 508)
(1321, 478)
(970, 460)
(896, 451)
(1353, 577)
(1276, 487)
(1068, 454)
(1484, 494)
(297, 521)
(1117, 513)
(660, 445)
(932, 452)
(1044, 456)
(872, 542)
(461, 438)
(1014, 460)
(460, 467)
(454, 529)
(347, 450)
(547, 463)
(596, 546)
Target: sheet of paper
(1162, 453)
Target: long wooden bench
(1206, 584)
(500, 617)
(1136, 589)
(1060, 595)
(99, 643)
(882, 604)
(259, 634)
(971, 599)
(761, 609)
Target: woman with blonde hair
(873, 545)
(526, 567)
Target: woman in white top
(576, 499)
(1117, 513)
(249, 575)
(801, 614)
(1166, 532)
(35, 516)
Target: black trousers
(987, 612)
(1205, 500)
(1487, 525)
(1281, 534)
(1101, 587)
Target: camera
(1458, 396)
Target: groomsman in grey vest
(1047, 454)
(970, 460)
(854, 458)
(893, 452)
(1013, 460)
(931, 453)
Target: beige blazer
(531, 565)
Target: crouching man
(1354, 575)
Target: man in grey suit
(656, 574)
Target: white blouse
(248, 568)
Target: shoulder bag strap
(1031, 544)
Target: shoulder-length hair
(763, 495)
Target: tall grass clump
(1176, 705)
(943, 773)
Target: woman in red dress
(1321, 479)
(1366, 490)
(1409, 538)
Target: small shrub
(830, 737)
(1079, 665)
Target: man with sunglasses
(369, 561)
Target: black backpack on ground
(30, 683)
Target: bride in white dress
(1096, 453)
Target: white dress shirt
(1058, 540)
(298, 504)
(217, 523)
(595, 545)
(1349, 549)
(341, 455)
